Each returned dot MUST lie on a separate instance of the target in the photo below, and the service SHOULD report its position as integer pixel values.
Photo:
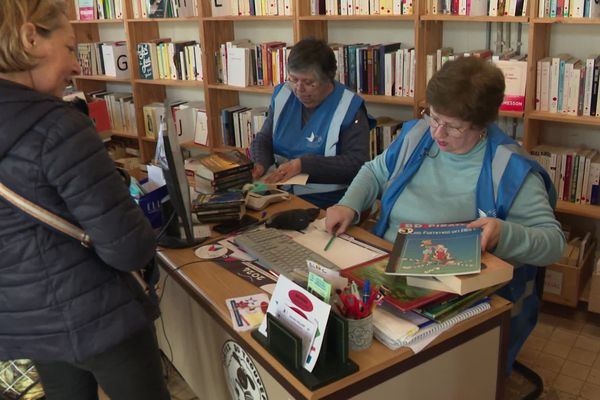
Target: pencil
(328, 245)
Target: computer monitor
(177, 185)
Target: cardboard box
(594, 300)
(564, 283)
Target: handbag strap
(46, 217)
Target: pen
(328, 245)
(366, 292)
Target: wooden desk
(465, 362)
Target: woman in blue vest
(456, 164)
(315, 126)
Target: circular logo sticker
(210, 251)
(242, 376)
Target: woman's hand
(285, 171)
(491, 229)
(339, 218)
(257, 171)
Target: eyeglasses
(435, 124)
(307, 83)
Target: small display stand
(333, 363)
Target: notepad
(428, 333)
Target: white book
(478, 8)
(577, 74)
(545, 84)
(389, 73)
(398, 73)
(413, 66)
(515, 78)
(220, 8)
(397, 7)
(185, 123)
(563, 100)
(594, 9)
(577, 8)
(406, 73)
(201, 128)
(493, 8)
(538, 89)
(589, 77)
(462, 7)
(431, 67)
(238, 60)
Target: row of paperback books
(382, 135)
(377, 69)
(568, 85)
(112, 110)
(513, 66)
(244, 63)
(164, 59)
(569, 8)
(89, 10)
(191, 123)
(240, 124)
(164, 8)
(476, 8)
(103, 58)
(251, 7)
(220, 171)
(574, 172)
(218, 207)
(361, 7)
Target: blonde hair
(44, 14)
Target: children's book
(247, 312)
(220, 164)
(217, 201)
(396, 291)
(493, 271)
(435, 250)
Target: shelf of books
(586, 211)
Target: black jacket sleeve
(79, 168)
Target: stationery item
(329, 243)
(428, 333)
(319, 287)
(396, 291)
(210, 251)
(302, 313)
(346, 252)
(247, 312)
(360, 333)
(394, 329)
(493, 271)
(447, 309)
(330, 275)
(435, 250)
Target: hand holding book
(491, 229)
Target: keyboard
(278, 252)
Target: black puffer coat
(59, 300)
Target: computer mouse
(293, 220)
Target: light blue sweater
(443, 191)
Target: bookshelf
(425, 33)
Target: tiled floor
(564, 349)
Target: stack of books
(219, 207)
(220, 172)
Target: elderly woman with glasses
(315, 126)
(456, 165)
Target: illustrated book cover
(435, 250)
(247, 312)
(396, 291)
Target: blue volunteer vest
(320, 134)
(505, 167)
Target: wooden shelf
(242, 18)
(131, 135)
(558, 117)
(466, 18)
(247, 89)
(581, 210)
(399, 100)
(359, 18)
(170, 82)
(178, 20)
(103, 78)
(574, 21)
(511, 114)
(98, 21)
(147, 139)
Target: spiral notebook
(430, 331)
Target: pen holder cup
(360, 333)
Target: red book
(397, 292)
(99, 114)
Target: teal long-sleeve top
(443, 191)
